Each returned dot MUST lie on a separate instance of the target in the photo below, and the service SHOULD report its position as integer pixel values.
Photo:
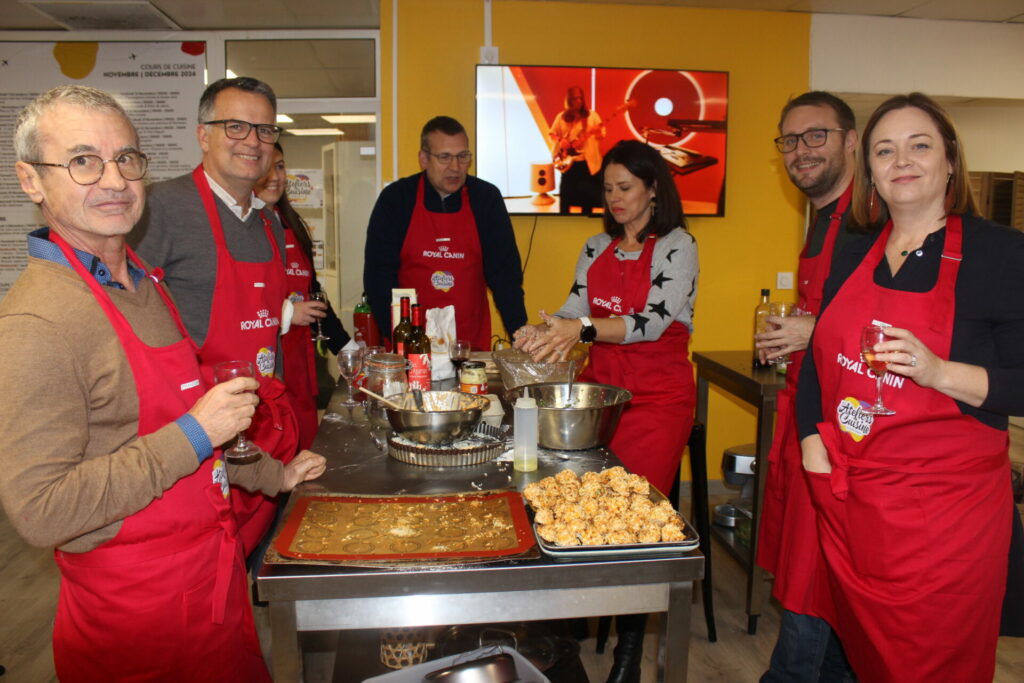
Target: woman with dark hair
(297, 346)
(912, 506)
(633, 298)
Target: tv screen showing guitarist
(576, 135)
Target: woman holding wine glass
(914, 502)
(309, 304)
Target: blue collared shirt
(40, 247)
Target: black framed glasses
(813, 137)
(87, 169)
(239, 130)
(464, 158)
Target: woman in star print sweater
(633, 297)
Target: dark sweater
(389, 224)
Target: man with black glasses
(224, 259)
(817, 139)
(446, 234)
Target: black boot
(629, 650)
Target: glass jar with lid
(386, 376)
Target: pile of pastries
(612, 507)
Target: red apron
(167, 598)
(788, 545)
(442, 260)
(910, 516)
(655, 425)
(297, 345)
(244, 324)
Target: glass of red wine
(460, 353)
(244, 451)
(869, 337)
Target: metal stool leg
(604, 627)
(702, 518)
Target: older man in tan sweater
(110, 449)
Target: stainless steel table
(326, 598)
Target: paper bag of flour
(441, 330)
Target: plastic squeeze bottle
(524, 442)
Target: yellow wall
(766, 55)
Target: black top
(988, 328)
(816, 236)
(389, 224)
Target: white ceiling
(354, 14)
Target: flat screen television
(683, 114)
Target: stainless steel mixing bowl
(586, 417)
(450, 415)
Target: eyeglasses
(87, 169)
(814, 137)
(239, 130)
(464, 158)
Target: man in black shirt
(817, 139)
(422, 235)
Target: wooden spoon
(385, 400)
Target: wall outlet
(783, 280)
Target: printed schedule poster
(158, 84)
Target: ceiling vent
(104, 15)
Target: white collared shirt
(236, 208)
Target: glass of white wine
(869, 337)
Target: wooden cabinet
(1000, 196)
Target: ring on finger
(913, 361)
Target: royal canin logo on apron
(295, 269)
(263, 319)
(614, 304)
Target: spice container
(473, 377)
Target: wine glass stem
(878, 390)
(241, 444)
(351, 391)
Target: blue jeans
(807, 651)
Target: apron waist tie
(226, 557)
(268, 397)
(841, 463)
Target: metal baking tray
(690, 541)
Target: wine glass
(780, 309)
(244, 451)
(461, 349)
(869, 336)
(350, 362)
(319, 296)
